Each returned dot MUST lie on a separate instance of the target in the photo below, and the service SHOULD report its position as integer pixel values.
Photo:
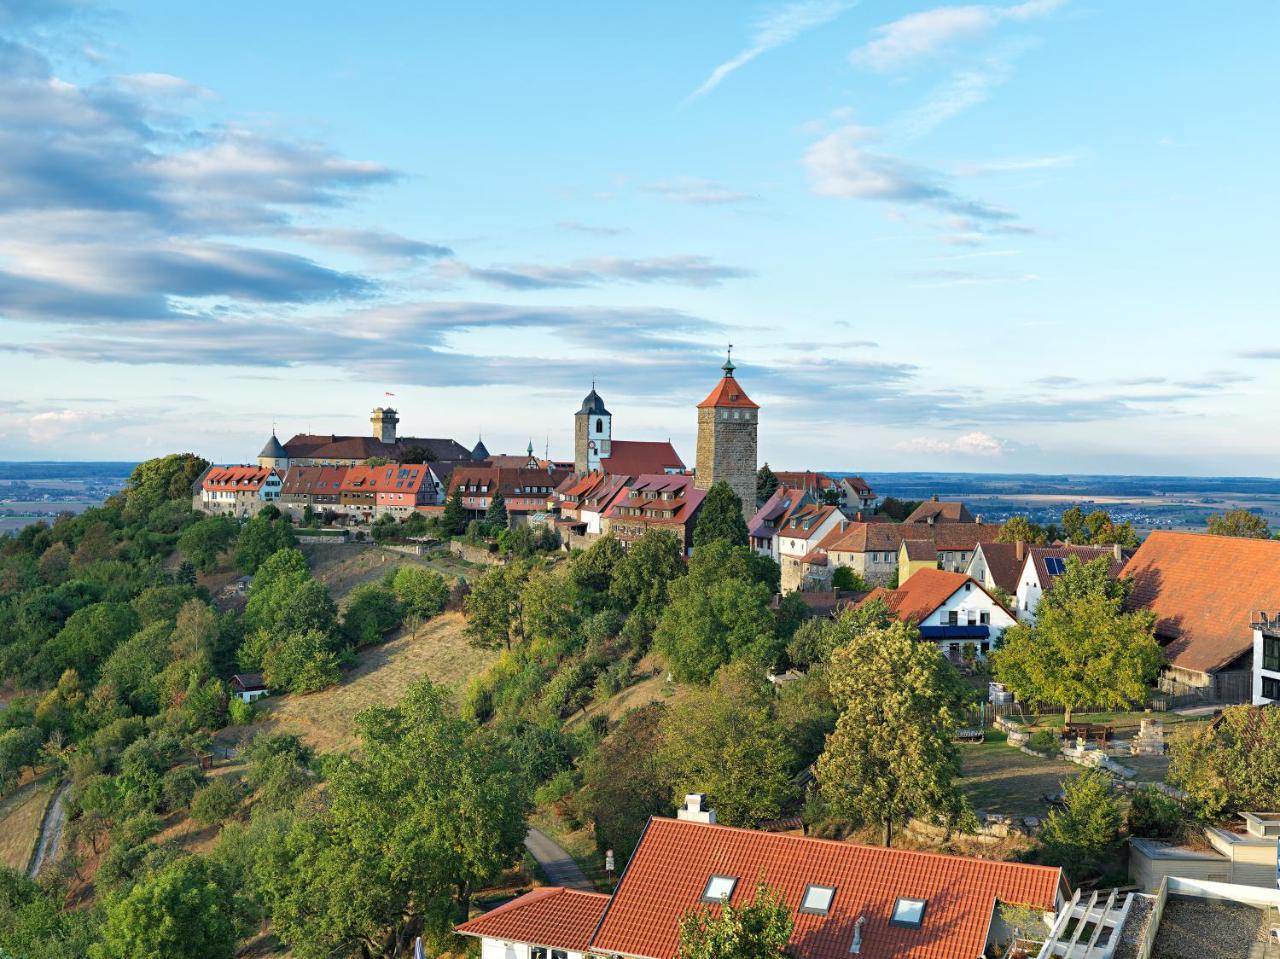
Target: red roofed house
(1043, 564)
(872, 549)
(655, 501)
(932, 511)
(845, 899)
(634, 457)
(238, 491)
(762, 528)
(851, 492)
(798, 536)
(950, 609)
(998, 565)
(596, 451)
(319, 487)
(582, 502)
(1206, 592)
(526, 492)
(396, 488)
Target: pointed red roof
(728, 395)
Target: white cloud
(976, 443)
(922, 34)
(698, 192)
(1016, 165)
(777, 28)
(966, 89)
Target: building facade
(592, 433)
(238, 491)
(728, 422)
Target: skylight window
(719, 888)
(1055, 565)
(908, 912)
(817, 900)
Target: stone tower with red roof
(727, 423)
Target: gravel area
(1135, 927)
(1193, 928)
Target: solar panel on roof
(1055, 565)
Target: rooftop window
(908, 912)
(817, 900)
(719, 888)
(1055, 565)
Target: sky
(1032, 236)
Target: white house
(249, 686)
(239, 491)
(953, 610)
(1044, 564)
(1266, 658)
(800, 531)
(548, 923)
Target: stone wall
(727, 452)
(474, 554)
(581, 424)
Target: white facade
(1030, 590)
(599, 440)
(1266, 665)
(251, 695)
(970, 605)
(497, 949)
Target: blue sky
(1028, 236)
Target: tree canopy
(720, 517)
(1230, 765)
(891, 755)
(759, 929)
(1240, 522)
(766, 483)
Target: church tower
(592, 433)
(727, 423)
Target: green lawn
(1118, 720)
(1001, 779)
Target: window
(953, 618)
(984, 618)
(1054, 565)
(908, 912)
(599, 426)
(719, 888)
(817, 900)
(542, 952)
(1271, 653)
(1271, 689)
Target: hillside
(437, 650)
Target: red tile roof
(728, 395)
(683, 503)
(551, 916)
(392, 478)
(236, 478)
(1003, 564)
(1086, 554)
(940, 512)
(921, 594)
(1204, 589)
(805, 521)
(634, 457)
(313, 480)
(920, 550)
(670, 868)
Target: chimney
(1019, 551)
(934, 498)
(1117, 552)
(695, 809)
(857, 935)
(978, 518)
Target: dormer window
(817, 900)
(908, 912)
(719, 888)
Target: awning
(955, 632)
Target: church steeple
(728, 362)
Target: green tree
(304, 662)
(759, 929)
(1087, 829)
(623, 784)
(494, 605)
(766, 483)
(1087, 580)
(1096, 528)
(1230, 765)
(642, 577)
(34, 924)
(91, 635)
(1021, 529)
(891, 756)
(371, 612)
(262, 537)
(1240, 522)
(309, 518)
(1080, 652)
(160, 480)
(726, 741)
(428, 810)
(19, 747)
(846, 577)
(216, 802)
(595, 567)
(205, 540)
(496, 514)
(187, 911)
(720, 517)
(422, 592)
(898, 509)
(186, 573)
(279, 769)
(454, 518)
(712, 619)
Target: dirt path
(561, 869)
(55, 818)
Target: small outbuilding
(249, 686)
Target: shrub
(1081, 835)
(216, 801)
(1044, 741)
(556, 788)
(179, 786)
(240, 712)
(1156, 815)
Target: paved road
(50, 833)
(561, 868)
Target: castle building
(384, 422)
(273, 455)
(727, 423)
(592, 434)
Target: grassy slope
(20, 817)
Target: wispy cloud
(774, 29)
(591, 229)
(1018, 165)
(840, 165)
(965, 90)
(698, 192)
(696, 271)
(923, 34)
(976, 443)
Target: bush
(240, 712)
(179, 786)
(1155, 815)
(1044, 741)
(1086, 831)
(302, 663)
(556, 788)
(371, 612)
(216, 801)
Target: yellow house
(915, 555)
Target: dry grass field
(437, 651)
(20, 817)
(342, 566)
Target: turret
(384, 422)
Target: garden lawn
(1118, 720)
(1001, 779)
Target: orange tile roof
(1204, 590)
(244, 478)
(940, 512)
(921, 594)
(728, 395)
(391, 478)
(551, 916)
(669, 871)
(920, 549)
